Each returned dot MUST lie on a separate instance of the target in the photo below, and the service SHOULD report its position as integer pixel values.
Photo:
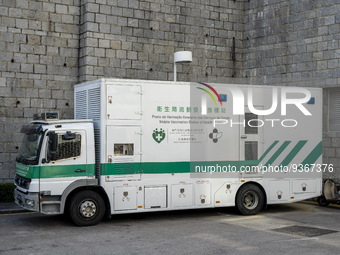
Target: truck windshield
(30, 146)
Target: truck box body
(134, 112)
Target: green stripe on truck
(60, 171)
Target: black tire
(87, 208)
(250, 199)
(322, 201)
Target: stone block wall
(296, 43)
(293, 42)
(39, 45)
(137, 39)
(47, 46)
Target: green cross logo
(158, 136)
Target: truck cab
(56, 158)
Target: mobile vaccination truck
(145, 146)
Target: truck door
(123, 152)
(67, 160)
(251, 136)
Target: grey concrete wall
(296, 43)
(137, 39)
(48, 46)
(39, 43)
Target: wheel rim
(88, 209)
(250, 200)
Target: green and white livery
(144, 146)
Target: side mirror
(53, 146)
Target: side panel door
(123, 152)
(124, 102)
(251, 138)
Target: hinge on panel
(139, 113)
(139, 133)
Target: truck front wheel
(87, 208)
(250, 199)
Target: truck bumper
(29, 201)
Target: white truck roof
(54, 122)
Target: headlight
(29, 202)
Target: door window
(251, 150)
(251, 147)
(251, 136)
(251, 123)
(64, 146)
(123, 149)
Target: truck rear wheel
(250, 199)
(87, 208)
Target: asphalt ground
(300, 228)
(7, 208)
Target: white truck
(144, 146)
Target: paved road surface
(281, 229)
